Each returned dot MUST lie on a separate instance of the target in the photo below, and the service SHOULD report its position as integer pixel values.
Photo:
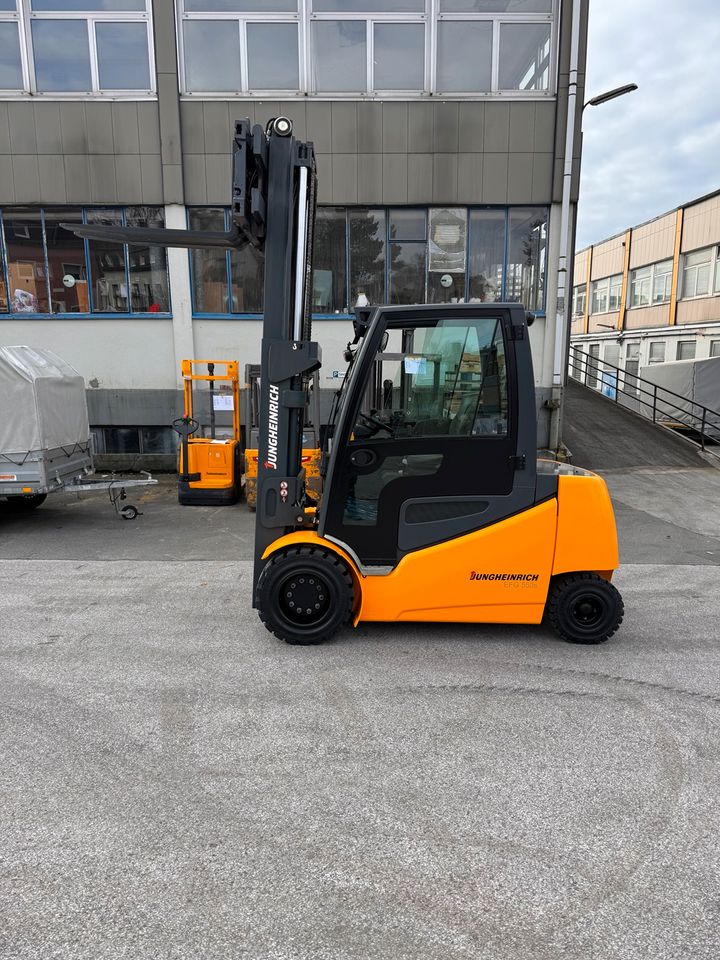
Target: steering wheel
(375, 422)
(185, 426)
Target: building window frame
(655, 346)
(389, 239)
(579, 300)
(430, 17)
(91, 313)
(648, 277)
(25, 16)
(680, 344)
(686, 270)
(610, 290)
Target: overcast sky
(654, 149)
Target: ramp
(603, 435)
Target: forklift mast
(274, 188)
(288, 355)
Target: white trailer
(45, 435)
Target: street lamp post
(562, 315)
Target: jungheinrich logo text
(524, 577)
(271, 462)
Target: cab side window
(448, 379)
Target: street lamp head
(611, 94)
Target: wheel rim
(304, 599)
(588, 610)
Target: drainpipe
(561, 315)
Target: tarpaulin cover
(698, 380)
(42, 402)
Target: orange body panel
(499, 574)
(213, 459)
(437, 583)
(586, 534)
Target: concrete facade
(172, 151)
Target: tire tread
(554, 601)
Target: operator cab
(433, 436)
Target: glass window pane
(107, 267)
(524, 56)
(340, 55)
(447, 247)
(66, 263)
(657, 351)
(212, 55)
(122, 440)
(662, 282)
(697, 257)
(367, 257)
(10, 5)
(241, 6)
(717, 275)
(399, 56)
(368, 6)
(246, 275)
(25, 261)
(122, 50)
(158, 439)
(487, 253)
(686, 350)
(526, 257)
(495, 6)
(450, 381)
(329, 270)
(408, 225)
(272, 56)
(209, 267)
(80, 6)
(4, 305)
(408, 269)
(702, 282)
(62, 55)
(715, 348)
(464, 56)
(11, 77)
(148, 265)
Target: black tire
(23, 504)
(584, 608)
(305, 595)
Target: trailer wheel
(22, 504)
(584, 608)
(305, 595)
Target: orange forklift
(435, 506)
(210, 455)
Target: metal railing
(698, 422)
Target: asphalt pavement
(176, 783)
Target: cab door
(427, 444)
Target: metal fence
(699, 423)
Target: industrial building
(652, 293)
(440, 128)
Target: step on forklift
(210, 455)
(434, 505)
(310, 457)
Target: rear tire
(305, 595)
(584, 608)
(22, 504)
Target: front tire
(305, 595)
(584, 608)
